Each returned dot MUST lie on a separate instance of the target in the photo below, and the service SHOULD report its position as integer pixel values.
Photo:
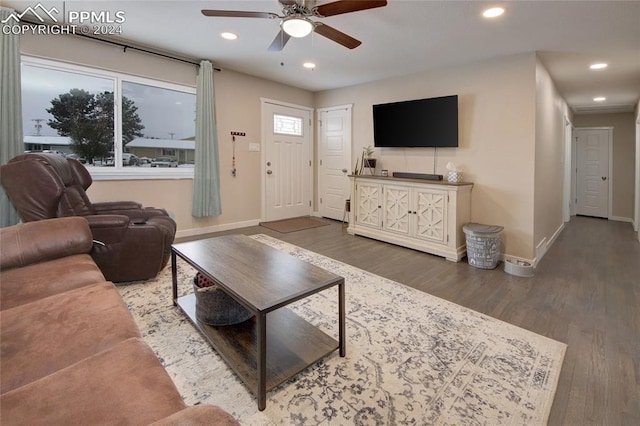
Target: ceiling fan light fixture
(297, 26)
(599, 99)
(598, 66)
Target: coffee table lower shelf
(293, 344)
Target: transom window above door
(287, 125)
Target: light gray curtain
(206, 179)
(11, 142)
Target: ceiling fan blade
(337, 36)
(238, 14)
(347, 6)
(278, 43)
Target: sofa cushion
(42, 337)
(40, 280)
(122, 385)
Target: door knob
(269, 172)
(344, 170)
(268, 163)
(604, 178)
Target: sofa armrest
(109, 206)
(43, 240)
(107, 221)
(131, 209)
(199, 415)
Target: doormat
(285, 226)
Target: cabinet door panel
(368, 206)
(431, 215)
(396, 209)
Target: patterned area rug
(412, 359)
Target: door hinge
(320, 200)
(309, 163)
(447, 198)
(309, 203)
(309, 122)
(447, 237)
(320, 123)
(321, 162)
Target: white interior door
(287, 161)
(334, 161)
(592, 174)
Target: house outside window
(114, 123)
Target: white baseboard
(621, 219)
(216, 228)
(541, 250)
(555, 236)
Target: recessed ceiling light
(309, 65)
(228, 36)
(600, 99)
(494, 12)
(598, 66)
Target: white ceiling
(405, 37)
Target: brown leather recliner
(132, 242)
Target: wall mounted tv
(429, 122)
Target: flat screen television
(431, 122)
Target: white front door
(334, 161)
(592, 174)
(287, 161)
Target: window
(168, 117)
(287, 125)
(116, 124)
(68, 113)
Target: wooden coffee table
(266, 350)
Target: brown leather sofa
(133, 243)
(70, 351)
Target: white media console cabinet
(424, 215)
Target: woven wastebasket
(483, 244)
(214, 306)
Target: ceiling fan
(296, 19)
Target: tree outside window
(88, 120)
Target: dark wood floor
(585, 293)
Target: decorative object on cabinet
(367, 161)
(453, 174)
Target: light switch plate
(254, 147)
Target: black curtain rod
(125, 46)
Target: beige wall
(237, 109)
(624, 140)
(551, 110)
(496, 134)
